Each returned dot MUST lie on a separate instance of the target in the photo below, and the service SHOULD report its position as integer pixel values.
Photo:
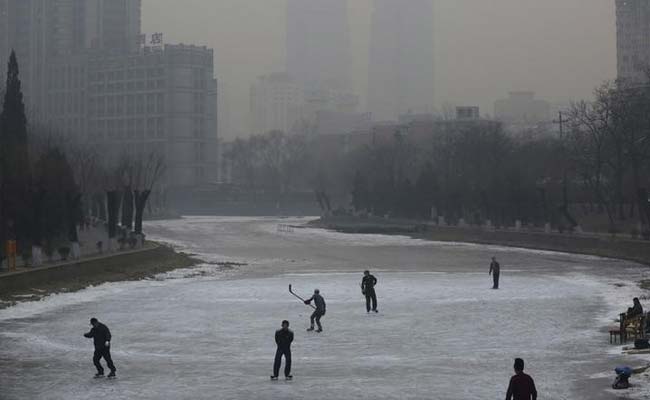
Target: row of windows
(130, 86)
(128, 128)
(150, 103)
(120, 75)
(66, 103)
(66, 78)
(134, 148)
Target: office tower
(276, 102)
(318, 43)
(87, 76)
(401, 71)
(633, 39)
(112, 25)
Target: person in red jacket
(522, 386)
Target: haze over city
(331, 199)
(561, 49)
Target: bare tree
(591, 124)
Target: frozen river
(441, 332)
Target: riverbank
(35, 283)
(618, 247)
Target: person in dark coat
(636, 309)
(522, 386)
(319, 302)
(283, 338)
(495, 271)
(368, 289)
(101, 336)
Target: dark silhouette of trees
(57, 204)
(360, 193)
(609, 142)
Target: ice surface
(441, 333)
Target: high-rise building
(276, 102)
(38, 30)
(633, 39)
(86, 74)
(42, 31)
(401, 70)
(163, 101)
(318, 43)
(4, 35)
(112, 25)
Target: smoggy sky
(561, 49)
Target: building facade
(87, 75)
(161, 101)
(275, 103)
(112, 26)
(633, 39)
(44, 31)
(401, 70)
(522, 114)
(522, 108)
(280, 103)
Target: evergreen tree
(14, 161)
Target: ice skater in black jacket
(368, 289)
(283, 338)
(318, 313)
(102, 338)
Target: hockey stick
(303, 300)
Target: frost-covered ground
(441, 333)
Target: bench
(629, 327)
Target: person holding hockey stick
(318, 313)
(283, 338)
(368, 289)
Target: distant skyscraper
(400, 72)
(318, 43)
(633, 31)
(44, 31)
(276, 102)
(86, 76)
(112, 25)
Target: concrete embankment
(33, 283)
(618, 247)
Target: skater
(495, 271)
(368, 289)
(283, 338)
(102, 339)
(522, 386)
(319, 301)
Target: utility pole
(565, 190)
(560, 121)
